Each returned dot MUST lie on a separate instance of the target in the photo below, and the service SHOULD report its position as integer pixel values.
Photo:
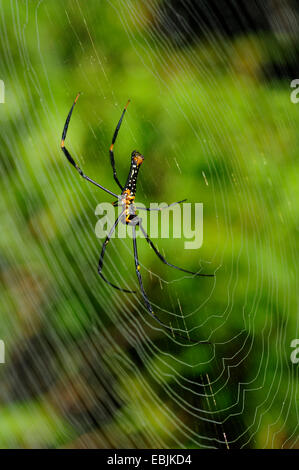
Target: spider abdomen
(132, 179)
(136, 160)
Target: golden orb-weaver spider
(128, 215)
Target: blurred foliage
(85, 365)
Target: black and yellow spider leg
(160, 208)
(112, 145)
(70, 158)
(101, 260)
(145, 298)
(164, 260)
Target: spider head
(137, 158)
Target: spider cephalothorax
(128, 214)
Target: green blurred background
(85, 365)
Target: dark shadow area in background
(187, 22)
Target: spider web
(86, 366)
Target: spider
(128, 215)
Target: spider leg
(70, 158)
(160, 208)
(101, 260)
(165, 261)
(112, 145)
(145, 298)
